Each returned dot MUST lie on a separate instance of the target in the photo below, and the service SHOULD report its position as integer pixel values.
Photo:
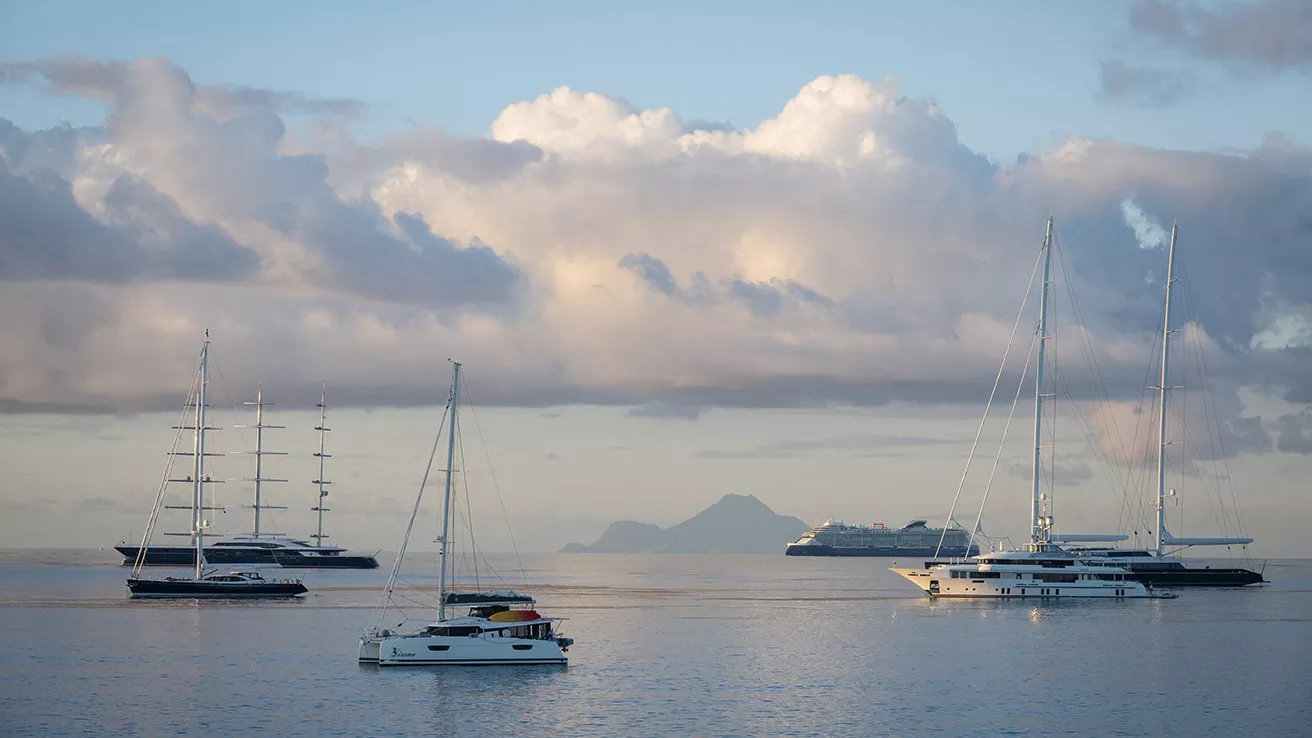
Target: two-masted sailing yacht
(1042, 569)
(498, 627)
(1158, 566)
(202, 583)
(260, 546)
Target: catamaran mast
(322, 428)
(260, 453)
(1162, 389)
(446, 499)
(1040, 521)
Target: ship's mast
(260, 453)
(1162, 389)
(198, 486)
(1040, 520)
(446, 499)
(323, 493)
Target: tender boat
(499, 627)
(201, 583)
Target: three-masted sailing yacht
(260, 546)
(1042, 569)
(1158, 566)
(498, 627)
(201, 583)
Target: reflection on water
(667, 645)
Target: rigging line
(1209, 390)
(405, 538)
(164, 480)
(492, 472)
(469, 509)
(1020, 387)
(987, 407)
(1095, 371)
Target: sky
(759, 248)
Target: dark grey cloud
(1295, 433)
(1273, 35)
(652, 271)
(666, 410)
(220, 146)
(762, 299)
(1144, 87)
(864, 445)
(45, 234)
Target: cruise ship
(913, 539)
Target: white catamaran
(499, 627)
(1042, 569)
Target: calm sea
(667, 645)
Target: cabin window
(439, 648)
(522, 646)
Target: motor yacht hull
(940, 585)
(478, 650)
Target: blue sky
(1015, 77)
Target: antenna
(323, 428)
(259, 454)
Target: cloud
(1295, 434)
(848, 250)
(1143, 87)
(1272, 35)
(666, 410)
(1064, 473)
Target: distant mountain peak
(733, 524)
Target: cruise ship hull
(886, 553)
(224, 556)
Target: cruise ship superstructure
(915, 539)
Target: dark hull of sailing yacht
(224, 556)
(1189, 577)
(200, 588)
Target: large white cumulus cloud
(850, 249)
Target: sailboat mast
(1162, 389)
(259, 454)
(446, 499)
(198, 486)
(1040, 529)
(322, 428)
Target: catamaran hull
(223, 556)
(190, 589)
(484, 650)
